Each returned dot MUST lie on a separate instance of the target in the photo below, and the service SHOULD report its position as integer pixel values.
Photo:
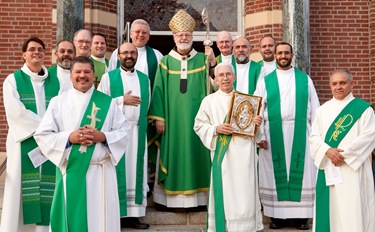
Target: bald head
(82, 42)
(241, 50)
(224, 43)
(127, 54)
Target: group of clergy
(100, 122)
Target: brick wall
(18, 21)
(340, 37)
(254, 34)
(372, 50)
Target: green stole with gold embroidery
(222, 144)
(288, 190)
(69, 208)
(117, 89)
(336, 132)
(37, 183)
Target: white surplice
(141, 64)
(64, 116)
(269, 66)
(22, 125)
(64, 78)
(271, 206)
(352, 202)
(242, 77)
(130, 81)
(239, 172)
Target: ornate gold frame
(244, 107)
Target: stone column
(70, 18)
(296, 31)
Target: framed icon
(243, 109)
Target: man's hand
(335, 156)
(131, 100)
(258, 120)
(209, 52)
(86, 136)
(225, 129)
(160, 126)
(263, 144)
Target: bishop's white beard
(184, 46)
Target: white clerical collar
(224, 93)
(243, 65)
(34, 75)
(291, 70)
(349, 97)
(126, 72)
(269, 62)
(61, 69)
(101, 59)
(141, 48)
(89, 92)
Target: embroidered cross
(297, 159)
(93, 118)
(278, 159)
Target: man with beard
(267, 50)
(224, 43)
(98, 50)
(82, 42)
(248, 72)
(131, 89)
(183, 170)
(286, 171)
(64, 53)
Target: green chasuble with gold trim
(184, 165)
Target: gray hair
(81, 30)
(343, 70)
(222, 65)
(140, 21)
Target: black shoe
(303, 226)
(275, 226)
(133, 222)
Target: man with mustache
(65, 52)
(286, 171)
(183, 174)
(98, 50)
(267, 50)
(131, 89)
(342, 137)
(248, 72)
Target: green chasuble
(37, 183)
(69, 209)
(117, 89)
(254, 72)
(288, 189)
(348, 116)
(184, 166)
(100, 68)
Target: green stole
(73, 218)
(37, 190)
(336, 132)
(219, 60)
(254, 71)
(288, 190)
(117, 89)
(222, 144)
(52, 71)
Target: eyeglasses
(140, 32)
(126, 53)
(224, 42)
(183, 35)
(34, 49)
(84, 41)
(69, 51)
